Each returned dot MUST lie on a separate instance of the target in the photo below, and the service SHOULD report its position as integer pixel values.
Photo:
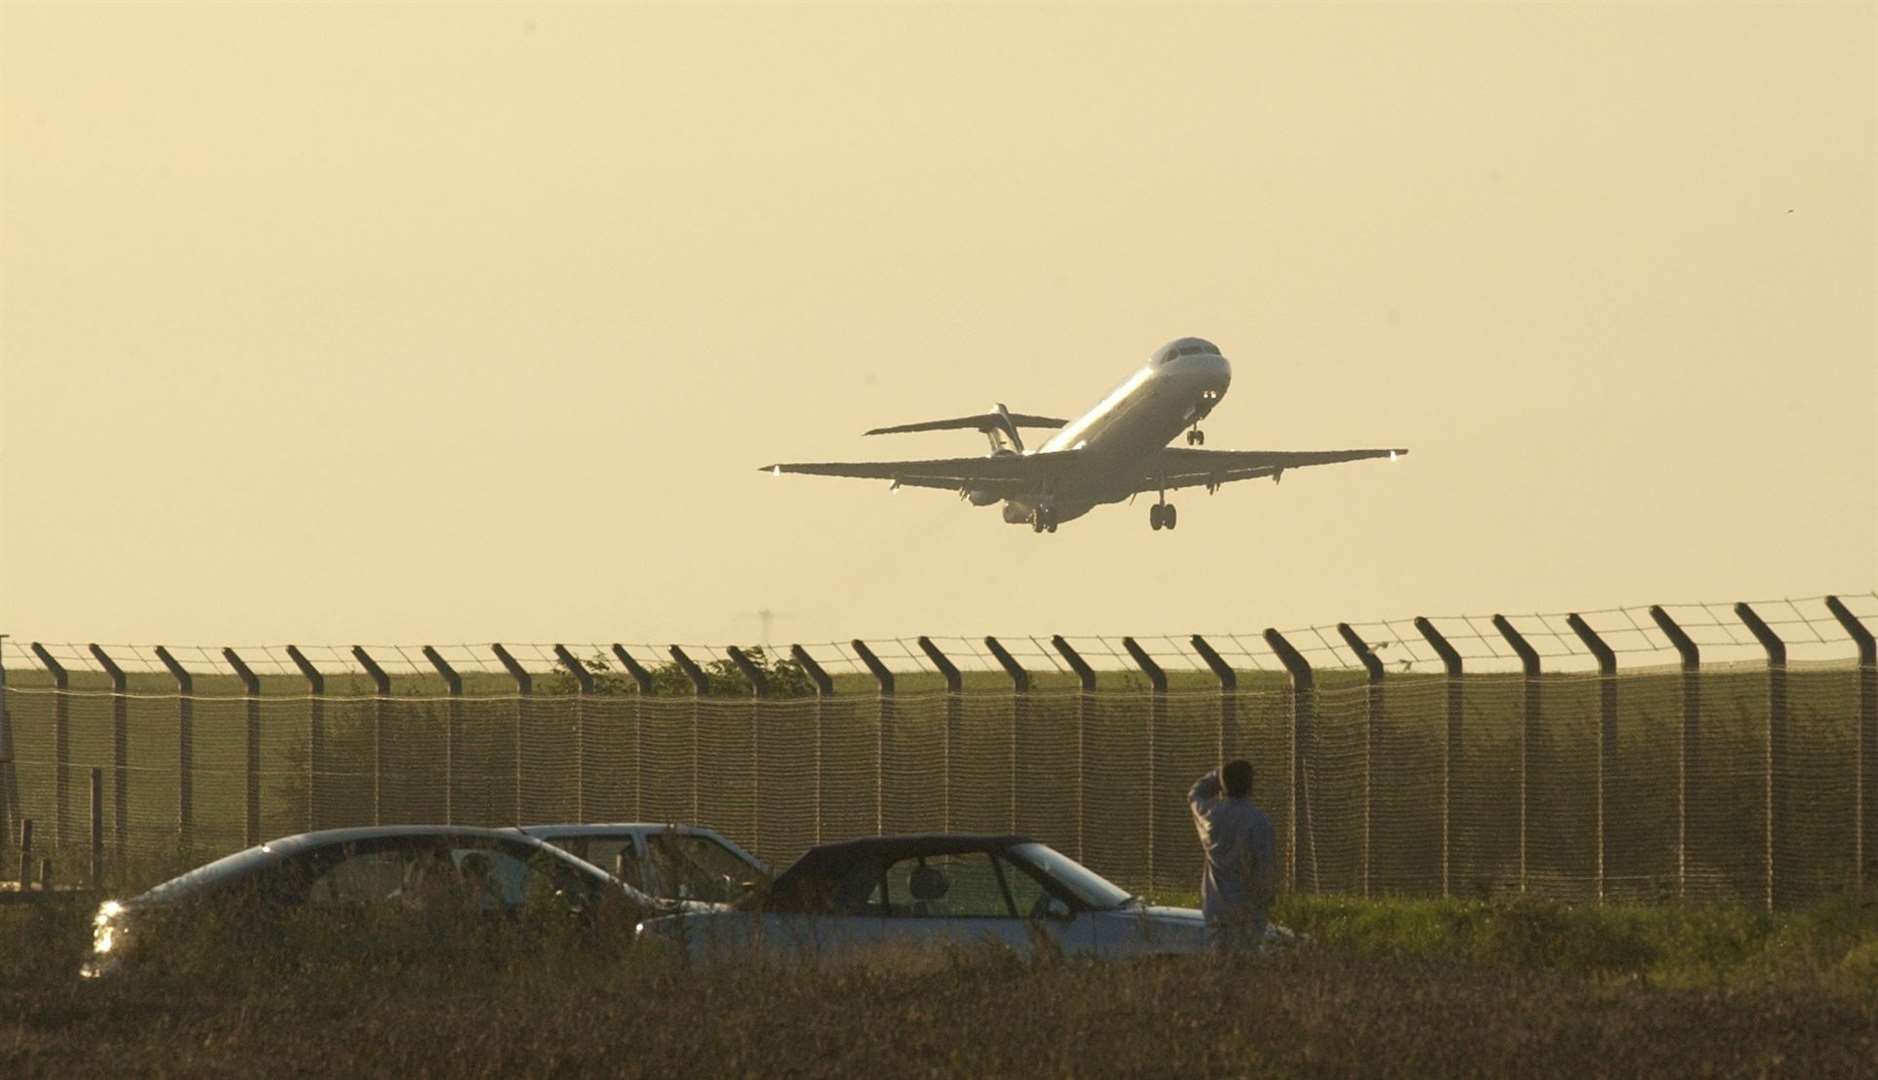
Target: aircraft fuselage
(1161, 399)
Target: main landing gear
(1162, 516)
(1043, 519)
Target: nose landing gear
(1196, 437)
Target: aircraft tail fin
(997, 425)
(997, 420)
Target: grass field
(1388, 988)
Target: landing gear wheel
(1154, 516)
(1196, 437)
(1168, 517)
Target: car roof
(299, 842)
(830, 858)
(241, 863)
(600, 828)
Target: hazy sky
(425, 323)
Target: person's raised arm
(1204, 791)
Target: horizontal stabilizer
(990, 421)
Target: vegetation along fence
(1701, 752)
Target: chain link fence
(1460, 767)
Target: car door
(848, 910)
(1046, 913)
(957, 899)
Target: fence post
(759, 682)
(824, 689)
(1157, 719)
(1865, 744)
(883, 733)
(647, 688)
(1303, 728)
(1688, 757)
(1086, 681)
(583, 679)
(1228, 734)
(120, 746)
(525, 689)
(9, 781)
(700, 687)
(61, 747)
(1529, 733)
(1775, 793)
(524, 682)
(251, 690)
(1451, 759)
(316, 730)
(185, 751)
(1020, 711)
(97, 828)
(381, 684)
(955, 712)
(759, 689)
(1372, 721)
(26, 852)
(1607, 743)
(453, 720)
(636, 670)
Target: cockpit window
(1185, 347)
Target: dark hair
(1237, 776)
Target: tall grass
(1386, 988)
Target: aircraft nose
(1221, 373)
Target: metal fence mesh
(1674, 803)
(1714, 781)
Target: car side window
(963, 886)
(359, 879)
(1027, 893)
(493, 880)
(417, 878)
(616, 856)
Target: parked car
(669, 862)
(936, 889)
(364, 872)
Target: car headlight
(108, 934)
(108, 929)
(104, 927)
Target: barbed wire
(1811, 632)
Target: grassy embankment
(1388, 987)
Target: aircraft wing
(1004, 473)
(1183, 467)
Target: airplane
(1113, 452)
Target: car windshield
(692, 867)
(213, 875)
(1085, 884)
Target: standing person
(1241, 851)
